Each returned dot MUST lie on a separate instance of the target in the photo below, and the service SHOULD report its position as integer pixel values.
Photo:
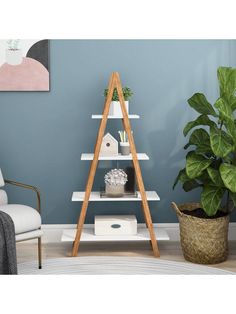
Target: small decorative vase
(14, 56)
(124, 148)
(115, 108)
(115, 190)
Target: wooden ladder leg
(137, 167)
(144, 214)
(79, 228)
(93, 166)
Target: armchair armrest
(29, 187)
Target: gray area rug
(116, 265)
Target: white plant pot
(115, 108)
(14, 57)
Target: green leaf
(211, 199)
(228, 175)
(233, 197)
(227, 81)
(196, 164)
(199, 102)
(205, 178)
(201, 120)
(190, 185)
(182, 177)
(201, 139)
(221, 142)
(232, 102)
(231, 128)
(226, 114)
(215, 177)
(224, 109)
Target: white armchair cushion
(2, 183)
(25, 218)
(3, 198)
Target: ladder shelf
(68, 235)
(95, 197)
(87, 196)
(88, 156)
(100, 116)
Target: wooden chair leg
(40, 253)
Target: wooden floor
(169, 251)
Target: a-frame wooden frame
(115, 83)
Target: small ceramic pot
(14, 56)
(115, 190)
(115, 108)
(124, 148)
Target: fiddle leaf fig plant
(211, 163)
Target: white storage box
(115, 225)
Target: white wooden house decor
(109, 146)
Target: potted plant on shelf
(115, 181)
(211, 166)
(13, 53)
(115, 108)
(124, 143)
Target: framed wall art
(24, 65)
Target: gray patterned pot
(115, 190)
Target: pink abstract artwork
(30, 75)
(24, 66)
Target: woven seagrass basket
(203, 241)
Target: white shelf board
(68, 235)
(88, 156)
(95, 197)
(131, 116)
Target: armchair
(27, 220)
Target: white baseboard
(53, 233)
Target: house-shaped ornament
(109, 146)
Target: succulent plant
(127, 92)
(13, 44)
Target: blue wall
(42, 134)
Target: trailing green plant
(211, 164)
(13, 44)
(127, 92)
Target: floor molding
(53, 232)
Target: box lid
(115, 218)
